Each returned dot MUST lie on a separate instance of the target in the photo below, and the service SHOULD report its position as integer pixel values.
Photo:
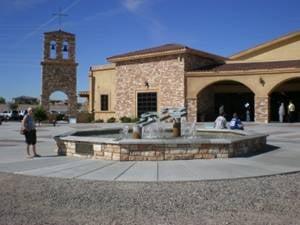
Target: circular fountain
(151, 139)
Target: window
(52, 50)
(147, 102)
(104, 102)
(65, 50)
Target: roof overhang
(185, 50)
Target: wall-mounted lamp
(262, 81)
(146, 84)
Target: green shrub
(60, 117)
(134, 120)
(13, 106)
(125, 119)
(111, 120)
(2, 100)
(84, 117)
(99, 121)
(40, 114)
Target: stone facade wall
(191, 106)
(138, 152)
(205, 105)
(262, 109)
(165, 75)
(57, 77)
(193, 62)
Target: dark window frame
(146, 102)
(104, 102)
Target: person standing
(247, 106)
(281, 112)
(221, 109)
(291, 112)
(28, 125)
(220, 122)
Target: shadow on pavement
(266, 149)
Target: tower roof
(59, 32)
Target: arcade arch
(285, 91)
(233, 95)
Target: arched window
(53, 53)
(65, 50)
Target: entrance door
(146, 102)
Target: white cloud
(133, 5)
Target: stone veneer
(191, 105)
(261, 109)
(136, 150)
(165, 75)
(193, 62)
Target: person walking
(291, 112)
(28, 126)
(281, 112)
(220, 122)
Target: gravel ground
(39, 200)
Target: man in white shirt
(291, 112)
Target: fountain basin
(213, 143)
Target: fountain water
(150, 126)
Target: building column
(91, 91)
(45, 102)
(191, 104)
(73, 105)
(262, 109)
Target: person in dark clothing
(28, 125)
(236, 123)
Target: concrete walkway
(282, 156)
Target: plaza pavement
(281, 156)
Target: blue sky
(104, 28)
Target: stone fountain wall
(175, 151)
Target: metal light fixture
(262, 81)
(146, 84)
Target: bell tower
(59, 68)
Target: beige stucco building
(175, 75)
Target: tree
(40, 114)
(13, 106)
(2, 100)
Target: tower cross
(60, 15)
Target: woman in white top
(220, 122)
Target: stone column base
(191, 109)
(262, 109)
